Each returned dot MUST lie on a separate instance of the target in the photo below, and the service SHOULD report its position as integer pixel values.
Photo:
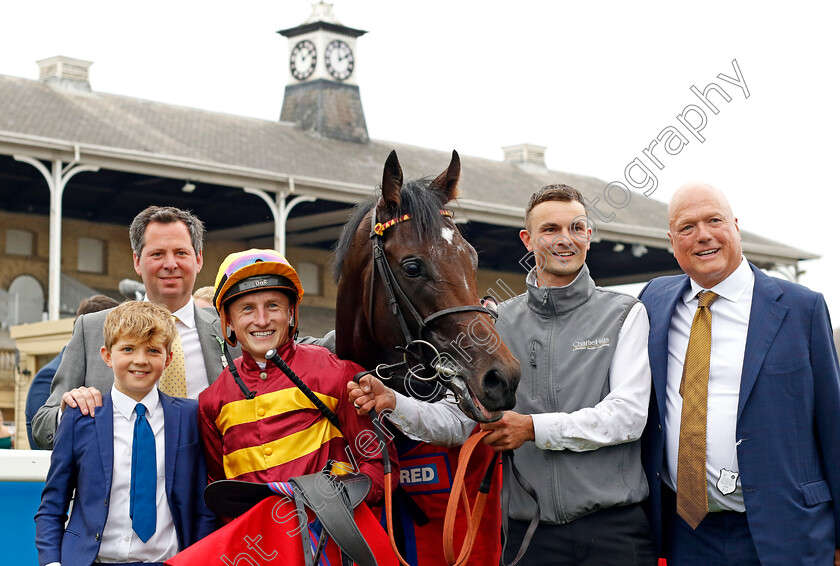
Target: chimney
(525, 153)
(65, 72)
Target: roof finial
(322, 12)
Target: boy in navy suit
(137, 467)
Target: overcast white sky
(595, 82)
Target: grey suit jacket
(82, 365)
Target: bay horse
(420, 305)
(408, 308)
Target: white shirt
(730, 322)
(441, 423)
(119, 541)
(620, 417)
(193, 357)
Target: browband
(380, 227)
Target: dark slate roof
(32, 109)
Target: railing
(12, 306)
(73, 292)
(7, 364)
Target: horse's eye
(411, 268)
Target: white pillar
(57, 179)
(280, 210)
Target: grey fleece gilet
(565, 339)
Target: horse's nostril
(495, 389)
(499, 390)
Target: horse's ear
(447, 182)
(392, 180)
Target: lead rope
(459, 490)
(474, 516)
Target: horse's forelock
(415, 199)
(423, 205)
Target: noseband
(396, 297)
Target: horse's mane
(415, 199)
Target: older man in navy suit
(769, 428)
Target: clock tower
(322, 94)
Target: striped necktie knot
(706, 298)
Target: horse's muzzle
(499, 390)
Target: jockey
(260, 428)
(272, 432)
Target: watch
(302, 60)
(339, 59)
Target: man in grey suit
(167, 247)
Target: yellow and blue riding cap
(251, 271)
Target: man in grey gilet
(581, 405)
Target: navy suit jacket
(83, 459)
(788, 418)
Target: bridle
(397, 297)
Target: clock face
(302, 60)
(339, 59)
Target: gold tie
(692, 496)
(174, 379)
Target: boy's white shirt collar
(125, 404)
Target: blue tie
(143, 477)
